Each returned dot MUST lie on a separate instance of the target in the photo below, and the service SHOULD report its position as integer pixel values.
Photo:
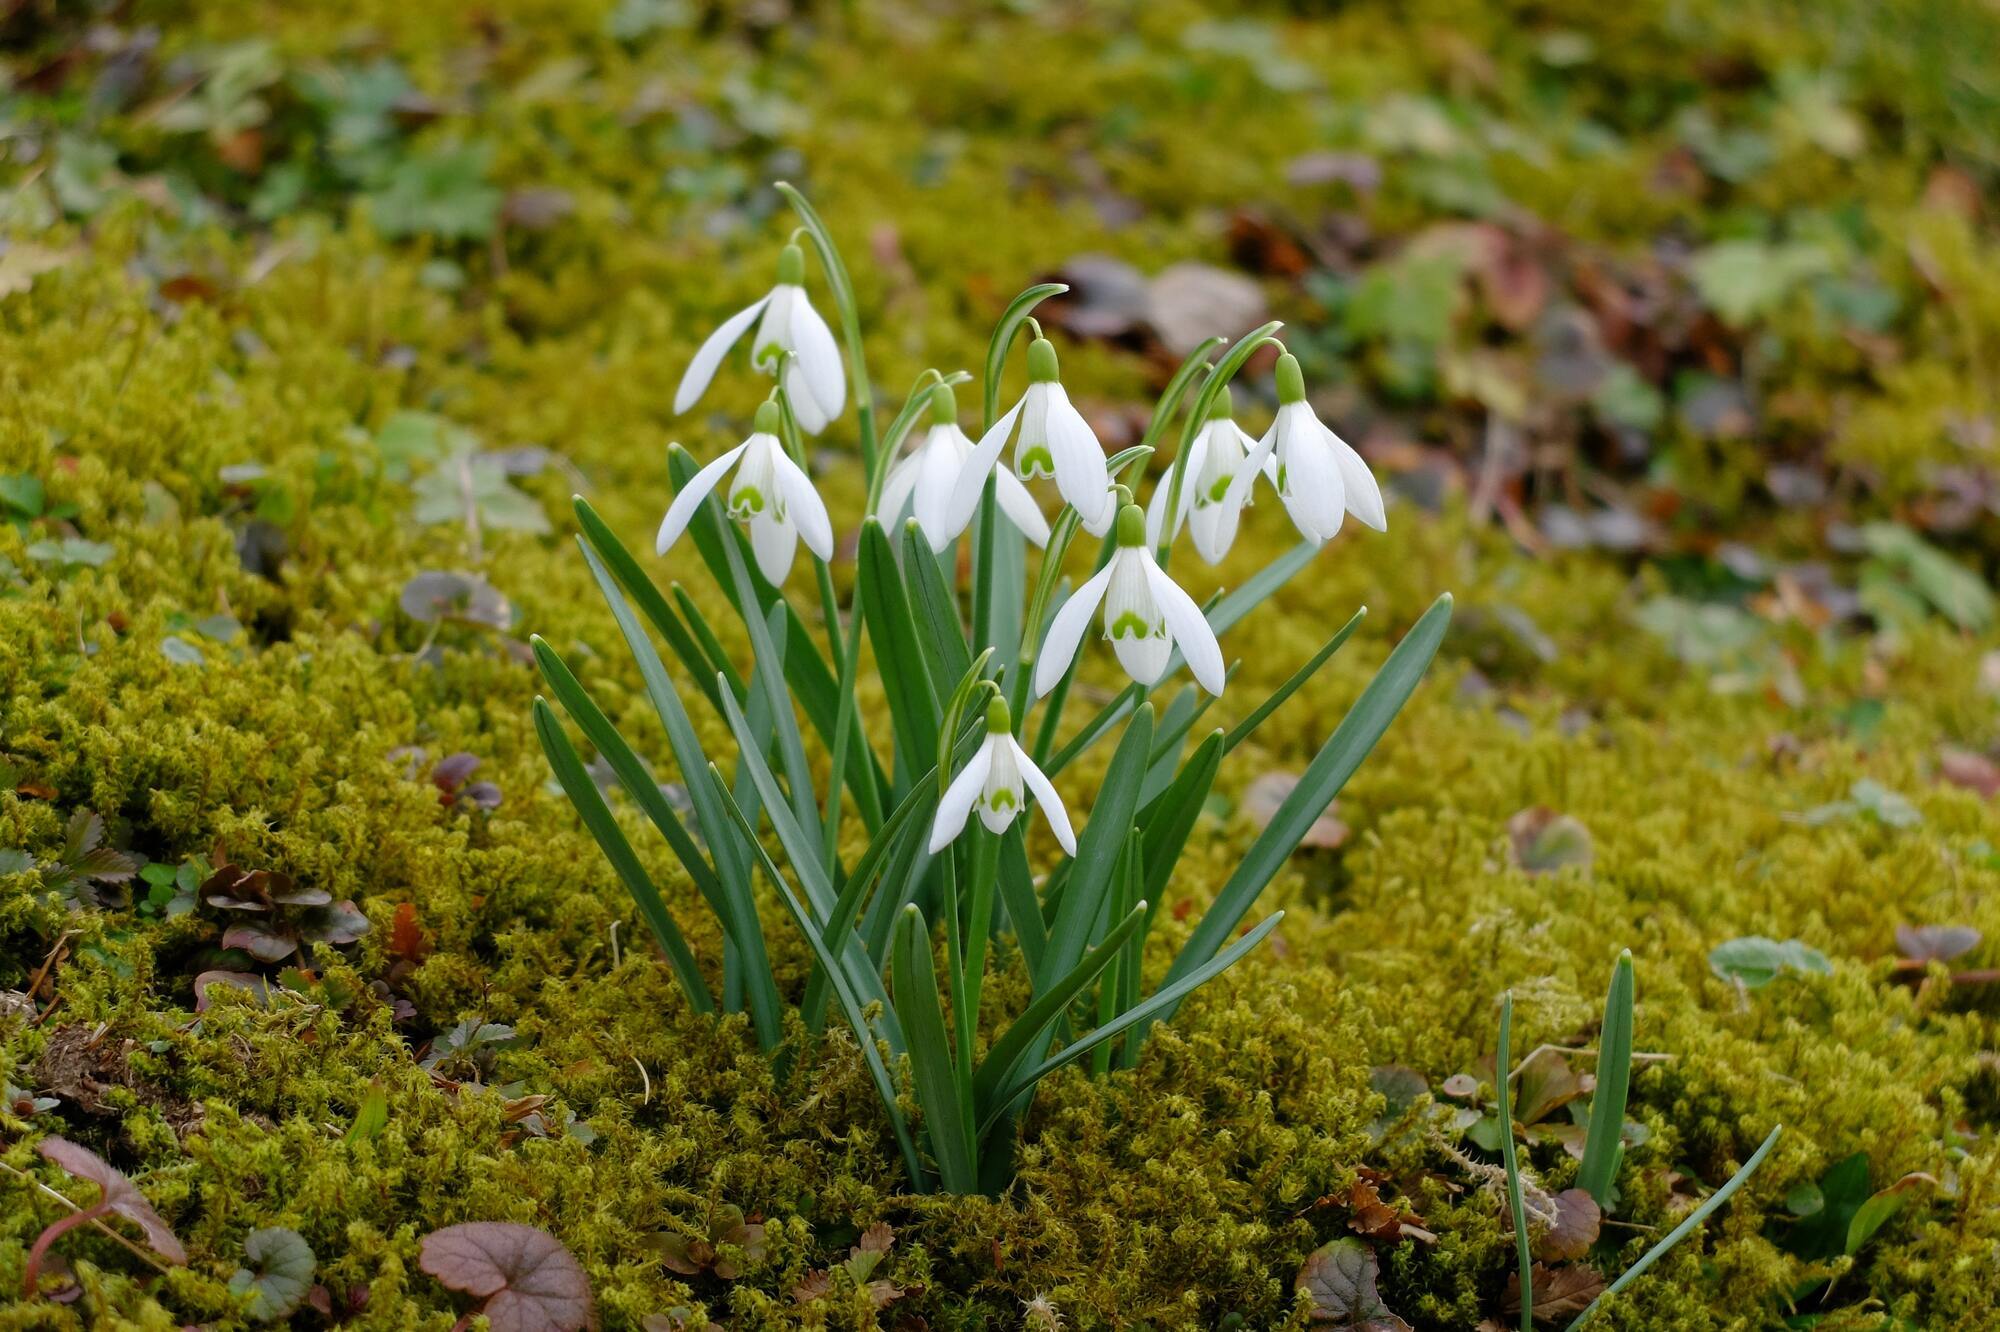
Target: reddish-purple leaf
(1574, 1229)
(1340, 1278)
(120, 1194)
(528, 1280)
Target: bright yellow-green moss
(1187, 1192)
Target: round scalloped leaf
(279, 1275)
(528, 1280)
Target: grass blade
(1284, 691)
(850, 1005)
(1504, 1094)
(734, 909)
(1005, 1054)
(947, 1121)
(1167, 997)
(1681, 1231)
(1604, 1147)
(589, 802)
(913, 702)
(1336, 761)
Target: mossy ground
(190, 317)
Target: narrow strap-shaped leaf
(802, 850)
(997, 1069)
(1017, 894)
(913, 700)
(1329, 770)
(1096, 728)
(1192, 368)
(645, 595)
(1603, 1147)
(1172, 817)
(1228, 612)
(1245, 728)
(939, 633)
(850, 1004)
(1504, 1094)
(589, 802)
(1124, 899)
(1012, 320)
(745, 935)
(1168, 996)
(1684, 1229)
(791, 746)
(908, 866)
(812, 682)
(732, 864)
(947, 1121)
(710, 644)
(1097, 851)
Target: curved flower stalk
(1146, 616)
(789, 324)
(931, 480)
(991, 785)
(770, 494)
(1054, 442)
(1208, 502)
(1321, 479)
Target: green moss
(1187, 1191)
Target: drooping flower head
(770, 495)
(991, 784)
(1207, 505)
(1056, 443)
(941, 480)
(1146, 616)
(1320, 477)
(788, 325)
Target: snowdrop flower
(1320, 477)
(813, 379)
(939, 480)
(1054, 442)
(770, 494)
(1146, 616)
(1213, 460)
(991, 784)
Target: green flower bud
(1291, 382)
(791, 267)
(1042, 361)
(1131, 526)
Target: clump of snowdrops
(977, 682)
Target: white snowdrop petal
(805, 408)
(1313, 492)
(971, 483)
(938, 465)
(1081, 474)
(1000, 796)
(681, 512)
(1066, 630)
(804, 506)
(896, 488)
(1188, 627)
(1132, 619)
(695, 380)
(774, 541)
(818, 357)
(1045, 796)
(1364, 496)
(958, 797)
(1020, 508)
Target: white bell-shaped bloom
(942, 479)
(992, 785)
(788, 324)
(1146, 616)
(1321, 479)
(770, 495)
(1207, 502)
(1055, 442)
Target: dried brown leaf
(528, 1281)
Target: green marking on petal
(1036, 462)
(745, 502)
(1130, 625)
(1001, 799)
